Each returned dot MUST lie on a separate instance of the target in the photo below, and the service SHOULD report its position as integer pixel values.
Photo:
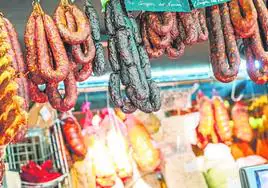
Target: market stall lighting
(257, 64)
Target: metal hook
(235, 99)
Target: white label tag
(45, 113)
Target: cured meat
(222, 44)
(242, 129)
(245, 21)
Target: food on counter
(74, 138)
(129, 62)
(145, 154)
(222, 119)
(119, 150)
(103, 164)
(34, 173)
(240, 117)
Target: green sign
(158, 5)
(206, 3)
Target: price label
(206, 3)
(158, 5)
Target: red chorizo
(176, 50)
(152, 52)
(262, 17)
(157, 41)
(69, 100)
(80, 56)
(189, 27)
(82, 23)
(161, 28)
(175, 30)
(35, 94)
(258, 49)
(201, 25)
(56, 45)
(222, 40)
(31, 51)
(256, 74)
(243, 24)
(83, 73)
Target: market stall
(123, 93)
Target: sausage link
(80, 56)
(223, 71)
(189, 27)
(99, 64)
(69, 100)
(109, 19)
(143, 89)
(93, 17)
(145, 62)
(123, 46)
(82, 73)
(31, 51)
(175, 30)
(157, 41)
(161, 28)
(113, 55)
(202, 25)
(20, 61)
(152, 52)
(82, 23)
(263, 18)
(243, 24)
(176, 50)
(258, 49)
(154, 95)
(135, 30)
(58, 51)
(115, 90)
(116, 96)
(143, 105)
(35, 94)
(230, 41)
(119, 19)
(256, 74)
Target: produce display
(240, 116)
(214, 125)
(144, 152)
(129, 62)
(99, 60)
(35, 173)
(169, 32)
(73, 137)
